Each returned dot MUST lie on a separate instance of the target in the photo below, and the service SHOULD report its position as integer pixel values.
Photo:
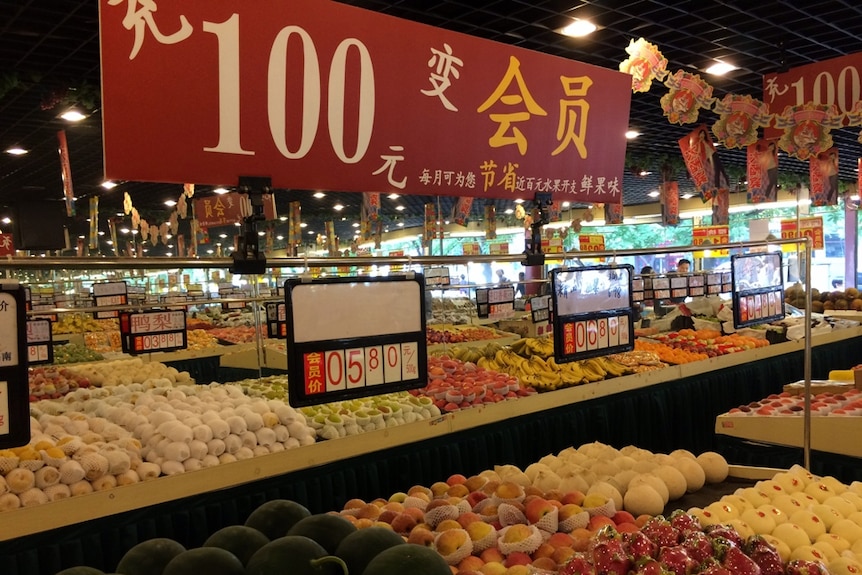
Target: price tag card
(276, 320)
(354, 337)
(540, 308)
(495, 303)
(661, 283)
(108, 294)
(662, 293)
(679, 283)
(52, 317)
(40, 348)
(758, 288)
(437, 277)
(593, 311)
(152, 331)
(14, 385)
(713, 279)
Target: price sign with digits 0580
(354, 337)
(593, 311)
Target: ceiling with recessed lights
(49, 58)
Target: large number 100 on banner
(295, 89)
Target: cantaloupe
(205, 560)
(407, 558)
(149, 557)
(327, 529)
(275, 518)
(303, 556)
(240, 540)
(361, 546)
(80, 570)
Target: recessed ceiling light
(283, 218)
(310, 232)
(654, 194)
(400, 208)
(237, 224)
(632, 134)
(644, 173)
(73, 115)
(400, 224)
(720, 68)
(124, 230)
(222, 236)
(393, 196)
(566, 204)
(578, 28)
(6, 220)
(355, 224)
(303, 225)
(687, 196)
(170, 203)
(109, 185)
(16, 151)
(120, 214)
(509, 211)
(319, 195)
(261, 233)
(220, 191)
(519, 201)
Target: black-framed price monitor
(153, 331)
(109, 294)
(758, 288)
(592, 311)
(276, 320)
(14, 386)
(40, 347)
(354, 337)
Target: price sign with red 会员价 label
(808, 228)
(40, 348)
(152, 331)
(593, 312)
(354, 337)
(109, 294)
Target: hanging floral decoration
(739, 119)
(645, 64)
(807, 129)
(688, 94)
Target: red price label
(353, 368)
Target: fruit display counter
(661, 410)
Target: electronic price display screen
(40, 347)
(495, 302)
(437, 277)
(354, 337)
(276, 320)
(14, 384)
(540, 308)
(696, 285)
(758, 288)
(593, 312)
(109, 294)
(153, 331)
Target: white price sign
(354, 337)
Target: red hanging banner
(823, 173)
(762, 171)
(66, 173)
(669, 203)
(321, 95)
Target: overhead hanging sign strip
(320, 95)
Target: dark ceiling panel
(49, 52)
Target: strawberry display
(675, 547)
(677, 560)
(765, 555)
(738, 562)
(661, 532)
(802, 567)
(610, 557)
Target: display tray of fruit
(849, 299)
(847, 403)
(350, 417)
(235, 335)
(668, 354)
(82, 323)
(709, 342)
(447, 333)
(50, 382)
(454, 384)
(75, 353)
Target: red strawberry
(713, 567)
(765, 556)
(609, 557)
(725, 531)
(661, 532)
(579, 564)
(649, 566)
(677, 560)
(683, 522)
(801, 567)
(639, 545)
(698, 546)
(739, 563)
